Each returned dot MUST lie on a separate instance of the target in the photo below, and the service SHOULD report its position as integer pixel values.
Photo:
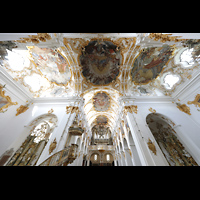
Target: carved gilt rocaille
(52, 146)
(152, 110)
(151, 146)
(184, 108)
(196, 101)
(35, 38)
(5, 101)
(72, 109)
(165, 37)
(51, 111)
(21, 109)
(131, 109)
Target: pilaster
(141, 134)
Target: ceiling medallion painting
(101, 120)
(101, 101)
(51, 64)
(149, 64)
(100, 61)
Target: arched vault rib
(92, 113)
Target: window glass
(170, 80)
(108, 157)
(186, 56)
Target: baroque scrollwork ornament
(5, 101)
(151, 146)
(152, 110)
(184, 108)
(196, 101)
(131, 109)
(72, 109)
(21, 109)
(51, 111)
(52, 146)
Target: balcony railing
(63, 157)
(106, 141)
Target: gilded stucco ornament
(51, 111)
(152, 110)
(130, 152)
(21, 109)
(151, 146)
(196, 101)
(184, 108)
(131, 109)
(165, 37)
(72, 109)
(52, 146)
(35, 38)
(5, 101)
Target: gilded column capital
(131, 109)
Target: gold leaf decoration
(51, 111)
(152, 110)
(184, 108)
(21, 110)
(5, 99)
(52, 146)
(196, 101)
(151, 146)
(131, 109)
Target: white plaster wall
(12, 136)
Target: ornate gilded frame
(163, 69)
(72, 42)
(10, 103)
(109, 107)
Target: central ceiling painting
(101, 120)
(101, 101)
(100, 61)
(149, 64)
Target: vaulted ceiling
(100, 67)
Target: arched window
(108, 157)
(31, 149)
(95, 157)
(186, 56)
(166, 138)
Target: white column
(123, 158)
(135, 157)
(64, 135)
(128, 157)
(120, 159)
(80, 159)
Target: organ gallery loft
(99, 99)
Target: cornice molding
(128, 100)
(58, 100)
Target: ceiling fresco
(149, 64)
(101, 101)
(101, 120)
(194, 46)
(101, 67)
(100, 61)
(51, 64)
